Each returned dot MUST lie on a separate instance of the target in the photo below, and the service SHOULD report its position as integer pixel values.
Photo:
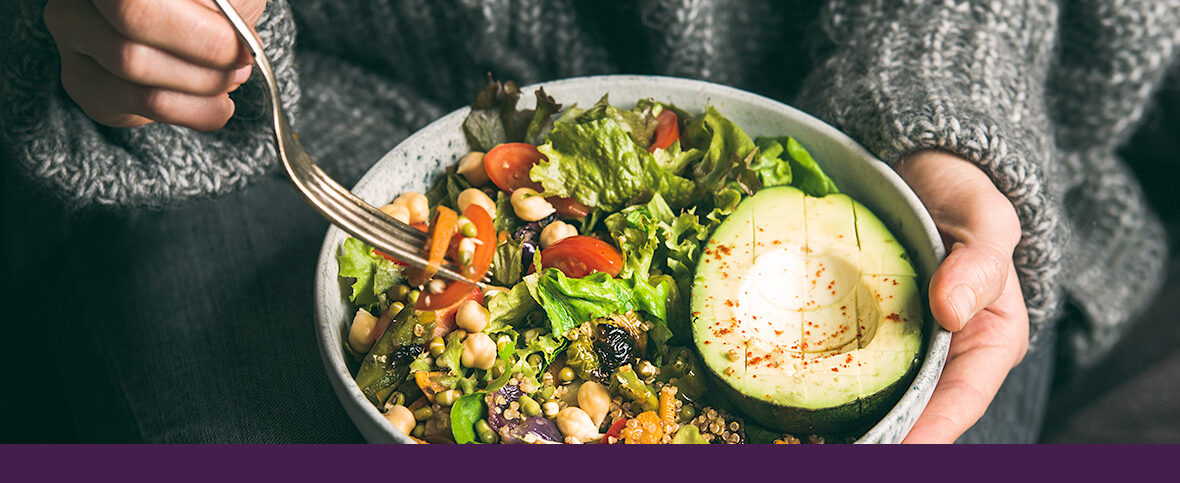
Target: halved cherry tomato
(446, 315)
(508, 165)
(485, 242)
(569, 207)
(485, 249)
(667, 131)
(578, 256)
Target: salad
(590, 223)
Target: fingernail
(962, 300)
(242, 74)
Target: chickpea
(416, 205)
(529, 205)
(360, 335)
(550, 408)
(402, 418)
(471, 316)
(478, 351)
(575, 422)
(472, 195)
(555, 232)
(594, 399)
(397, 212)
(472, 168)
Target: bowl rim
(357, 405)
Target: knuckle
(156, 103)
(131, 62)
(220, 43)
(133, 17)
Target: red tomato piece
(446, 315)
(578, 256)
(508, 165)
(667, 131)
(615, 430)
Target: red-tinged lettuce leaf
(494, 118)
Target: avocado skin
(853, 418)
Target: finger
(977, 220)
(115, 102)
(971, 278)
(980, 358)
(194, 31)
(140, 63)
(961, 396)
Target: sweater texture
(1037, 93)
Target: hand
(128, 63)
(974, 293)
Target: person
(1002, 115)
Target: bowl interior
(414, 163)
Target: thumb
(969, 280)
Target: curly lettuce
(570, 301)
(372, 275)
(599, 164)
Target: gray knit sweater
(1038, 93)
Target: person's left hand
(975, 292)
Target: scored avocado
(808, 312)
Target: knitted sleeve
(965, 77)
(154, 165)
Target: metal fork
(352, 214)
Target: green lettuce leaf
(505, 219)
(639, 123)
(571, 301)
(507, 262)
(636, 230)
(446, 190)
(509, 308)
(771, 168)
(804, 171)
(451, 355)
(598, 164)
(674, 160)
(373, 275)
(728, 153)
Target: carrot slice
(442, 227)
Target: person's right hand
(128, 63)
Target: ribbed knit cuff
(961, 77)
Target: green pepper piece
(581, 357)
(382, 371)
(686, 370)
(630, 386)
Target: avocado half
(808, 312)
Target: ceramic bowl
(413, 164)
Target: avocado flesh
(808, 311)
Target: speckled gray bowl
(417, 160)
